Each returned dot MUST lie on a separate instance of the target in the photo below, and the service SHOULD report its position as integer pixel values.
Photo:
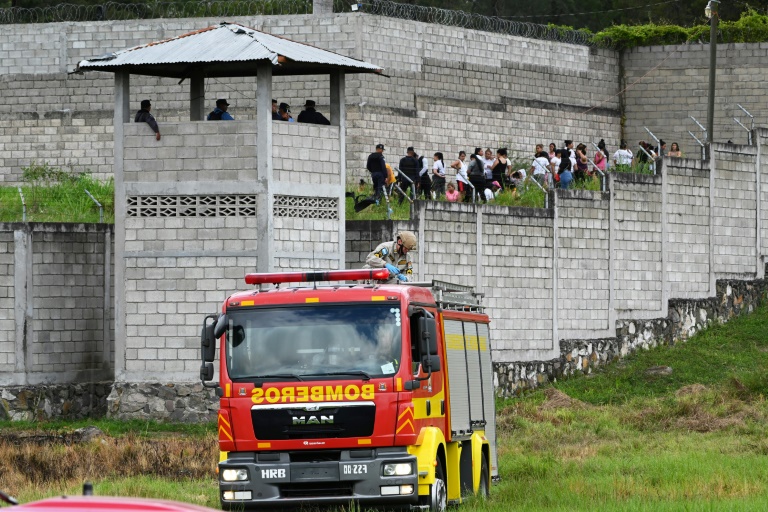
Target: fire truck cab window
(301, 340)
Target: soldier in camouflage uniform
(395, 257)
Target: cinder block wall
(581, 273)
(734, 210)
(583, 264)
(7, 303)
(669, 83)
(56, 288)
(688, 258)
(447, 88)
(637, 239)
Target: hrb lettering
(272, 473)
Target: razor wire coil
(116, 11)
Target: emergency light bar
(380, 274)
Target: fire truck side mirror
(206, 372)
(207, 341)
(428, 336)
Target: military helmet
(409, 239)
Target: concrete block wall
(518, 277)
(7, 303)
(190, 152)
(69, 304)
(761, 137)
(661, 98)
(56, 288)
(734, 210)
(306, 243)
(687, 246)
(305, 153)
(450, 243)
(583, 263)
(637, 244)
(447, 88)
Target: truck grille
(283, 423)
(316, 490)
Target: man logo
(313, 420)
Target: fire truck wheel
(485, 481)
(438, 492)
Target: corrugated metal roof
(221, 44)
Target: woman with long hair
(601, 156)
(674, 151)
(501, 166)
(565, 172)
(582, 162)
(438, 176)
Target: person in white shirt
(493, 192)
(540, 166)
(623, 156)
(488, 165)
(462, 179)
(438, 176)
(554, 168)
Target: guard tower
(212, 200)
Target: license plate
(354, 469)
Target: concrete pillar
(197, 97)
(339, 118)
(321, 7)
(122, 115)
(757, 139)
(265, 201)
(23, 301)
(106, 348)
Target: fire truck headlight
(234, 475)
(400, 469)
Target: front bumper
(324, 477)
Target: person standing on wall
(220, 112)
(312, 116)
(144, 116)
(438, 175)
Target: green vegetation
(54, 195)
(617, 440)
(751, 27)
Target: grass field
(695, 440)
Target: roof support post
(122, 116)
(197, 97)
(339, 118)
(264, 202)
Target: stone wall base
(55, 401)
(685, 318)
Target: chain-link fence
(232, 8)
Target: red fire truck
(371, 393)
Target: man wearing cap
(395, 257)
(144, 116)
(310, 115)
(285, 113)
(377, 166)
(220, 112)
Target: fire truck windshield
(287, 343)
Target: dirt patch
(691, 390)
(705, 422)
(556, 399)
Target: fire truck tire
(485, 479)
(437, 501)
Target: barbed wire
(109, 11)
(472, 21)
